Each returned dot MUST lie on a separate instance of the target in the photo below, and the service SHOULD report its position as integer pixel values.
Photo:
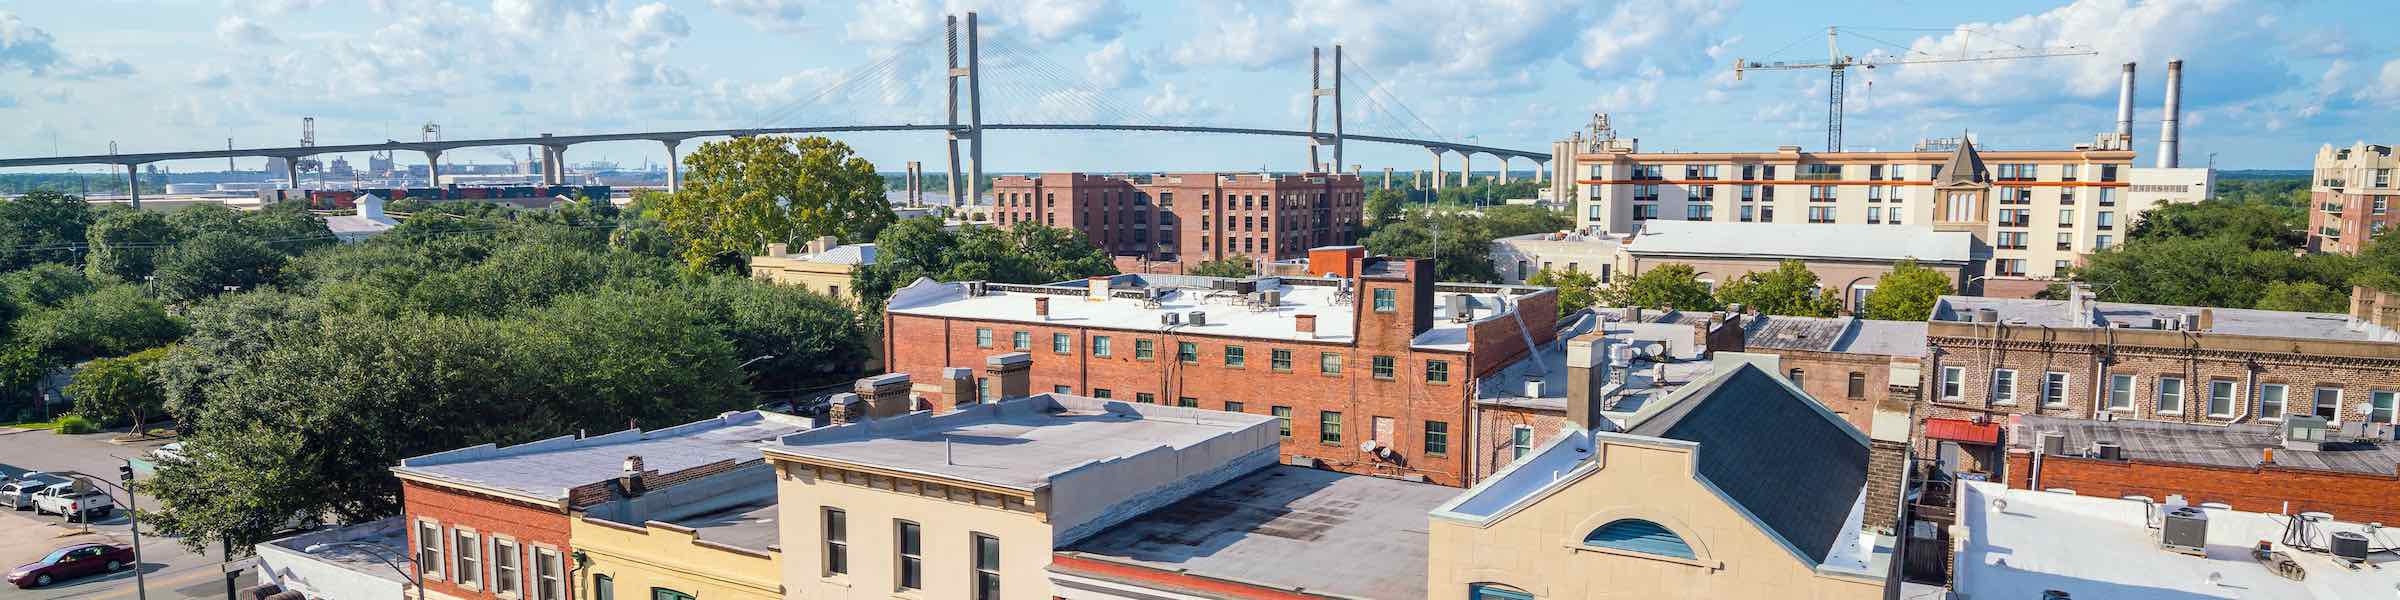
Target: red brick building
(2244, 466)
(492, 522)
(1189, 217)
(1372, 366)
(2351, 195)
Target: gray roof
(749, 526)
(1773, 451)
(2234, 321)
(1822, 241)
(547, 469)
(2222, 446)
(1963, 167)
(1835, 334)
(845, 254)
(1018, 444)
(1289, 528)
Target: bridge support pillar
(674, 167)
(1437, 169)
(291, 171)
(1387, 178)
(433, 169)
(1503, 169)
(1541, 172)
(133, 185)
(1466, 169)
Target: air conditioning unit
(1196, 318)
(2184, 530)
(1170, 319)
(2054, 443)
(2350, 546)
(2106, 450)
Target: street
(171, 570)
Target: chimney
(2167, 148)
(2125, 109)
(1587, 376)
(959, 384)
(823, 243)
(886, 395)
(777, 249)
(1306, 325)
(1041, 307)
(1099, 287)
(2207, 321)
(631, 481)
(846, 408)
(1013, 371)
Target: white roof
(2094, 547)
(1022, 444)
(1801, 241)
(1225, 316)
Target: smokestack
(2166, 130)
(2125, 109)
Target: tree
(2255, 225)
(45, 285)
(1023, 253)
(119, 390)
(207, 263)
(42, 226)
(113, 321)
(1907, 293)
(1519, 219)
(740, 195)
(1577, 290)
(811, 336)
(1459, 244)
(1672, 285)
(1789, 289)
(1238, 265)
(2303, 296)
(2219, 271)
(125, 244)
(1383, 207)
(227, 333)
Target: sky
(2265, 83)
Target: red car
(72, 562)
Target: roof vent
(1533, 387)
(2107, 450)
(1460, 310)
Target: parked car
(63, 499)
(168, 452)
(18, 495)
(71, 562)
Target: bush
(75, 424)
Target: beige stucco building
(724, 555)
(2350, 195)
(1737, 486)
(825, 267)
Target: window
(1954, 381)
(2170, 396)
(1100, 346)
(1145, 349)
(983, 337)
(467, 550)
(1187, 402)
(2104, 220)
(1820, 214)
(1231, 406)
(837, 542)
(911, 548)
(1022, 340)
(1749, 213)
(2220, 398)
(1384, 366)
(2270, 401)
(1062, 389)
(1699, 212)
(1233, 356)
(1329, 363)
(2102, 242)
(2380, 405)
(1645, 212)
(1280, 360)
(2008, 267)
(983, 389)
(1636, 535)
(2066, 240)
(1437, 438)
(2054, 389)
(1520, 441)
(2329, 403)
(1874, 215)
(1187, 352)
(1437, 371)
(429, 549)
(2120, 392)
(547, 571)
(1329, 427)
(1103, 393)
(2010, 240)
(1061, 344)
(659, 593)
(2004, 386)
(603, 587)
(1858, 386)
(987, 567)
(1145, 397)
(506, 574)
(1387, 300)
(1283, 419)
(1799, 377)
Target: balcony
(1807, 176)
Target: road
(171, 570)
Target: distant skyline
(2265, 83)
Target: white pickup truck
(64, 499)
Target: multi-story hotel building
(2350, 197)
(1189, 217)
(2033, 214)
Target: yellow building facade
(667, 561)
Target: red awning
(1962, 431)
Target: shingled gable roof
(1964, 168)
(1771, 449)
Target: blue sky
(2265, 82)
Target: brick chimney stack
(846, 408)
(1587, 375)
(886, 395)
(1306, 325)
(631, 481)
(1013, 371)
(958, 383)
(1041, 307)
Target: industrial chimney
(2125, 109)
(2166, 130)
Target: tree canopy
(1788, 289)
(1459, 244)
(42, 226)
(1027, 252)
(1577, 290)
(741, 194)
(1907, 293)
(1238, 265)
(1671, 285)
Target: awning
(1957, 430)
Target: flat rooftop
(2104, 548)
(1834, 334)
(2234, 321)
(1138, 303)
(1801, 241)
(749, 526)
(1287, 528)
(2241, 445)
(547, 469)
(1017, 444)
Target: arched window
(1494, 591)
(1636, 535)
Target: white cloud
(1241, 37)
(545, 15)
(1112, 66)
(2218, 38)
(773, 15)
(2387, 84)
(24, 46)
(1172, 103)
(236, 29)
(891, 22)
(1667, 35)
(655, 24)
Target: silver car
(18, 495)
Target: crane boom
(1839, 64)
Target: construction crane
(1839, 63)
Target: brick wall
(2354, 497)
(1887, 466)
(1495, 428)
(1826, 377)
(532, 526)
(1496, 343)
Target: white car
(168, 452)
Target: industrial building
(2350, 197)
(1189, 218)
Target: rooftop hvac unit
(2189, 321)
(2184, 530)
(1170, 318)
(2106, 450)
(2053, 443)
(975, 288)
(1459, 309)
(2304, 432)
(1196, 318)
(1235, 285)
(1272, 297)
(2162, 323)
(2350, 546)
(1987, 315)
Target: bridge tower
(973, 130)
(1317, 89)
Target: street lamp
(376, 551)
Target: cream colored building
(825, 267)
(1736, 486)
(2350, 196)
(730, 554)
(1518, 258)
(971, 503)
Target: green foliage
(119, 390)
(288, 228)
(1520, 219)
(1577, 290)
(73, 424)
(1671, 285)
(125, 244)
(2212, 271)
(1907, 293)
(45, 285)
(740, 195)
(41, 227)
(113, 321)
(227, 332)
(1231, 266)
(810, 335)
(1789, 289)
(1459, 244)
(2256, 225)
(2303, 296)
(1023, 253)
(206, 264)
(1383, 207)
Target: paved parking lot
(171, 570)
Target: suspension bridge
(1058, 99)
